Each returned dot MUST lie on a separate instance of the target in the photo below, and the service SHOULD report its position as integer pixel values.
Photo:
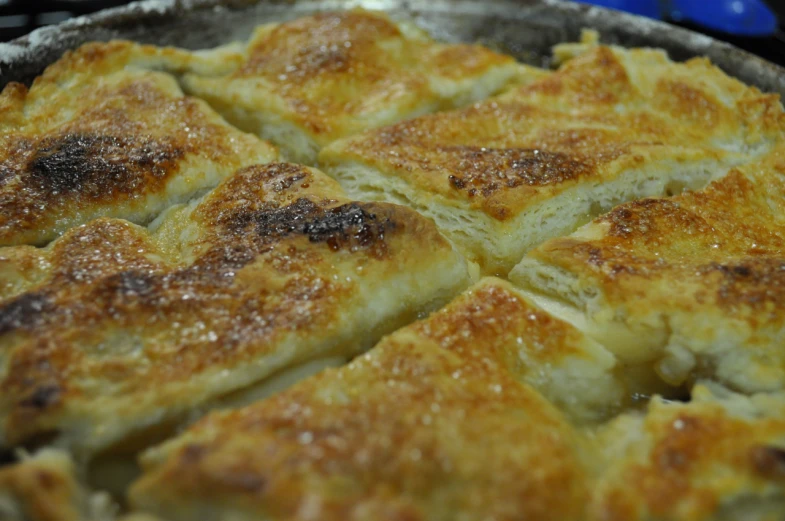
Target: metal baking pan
(525, 29)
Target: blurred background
(755, 25)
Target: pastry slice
(693, 286)
(720, 457)
(45, 487)
(611, 125)
(435, 423)
(101, 133)
(119, 334)
(305, 83)
(570, 369)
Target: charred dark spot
(95, 165)
(487, 170)
(620, 269)
(769, 461)
(348, 226)
(126, 288)
(43, 397)
(25, 311)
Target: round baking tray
(524, 28)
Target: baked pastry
(720, 457)
(609, 126)
(568, 368)
(436, 422)
(101, 133)
(692, 285)
(44, 487)
(165, 281)
(305, 83)
(126, 334)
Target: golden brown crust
(97, 135)
(334, 74)
(44, 487)
(709, 459)
(432, 424)
(601, 114)
(271, 269)
(568, 368)
(703, 270)
(114, 336)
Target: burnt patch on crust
(350, 226)
(485, 171)
(71, 169)
(769, 461)
(94, 165)
(26, 311)
(122, 145)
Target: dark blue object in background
(740, 17)
(735, 17)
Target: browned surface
(724, 243)
(692, 462)
(125, 322)
(601, 114)
(433, 424)
(114, 328)
(698, 280)
(112, 145)
(43, 488)
(334, 74)
(496, 318)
